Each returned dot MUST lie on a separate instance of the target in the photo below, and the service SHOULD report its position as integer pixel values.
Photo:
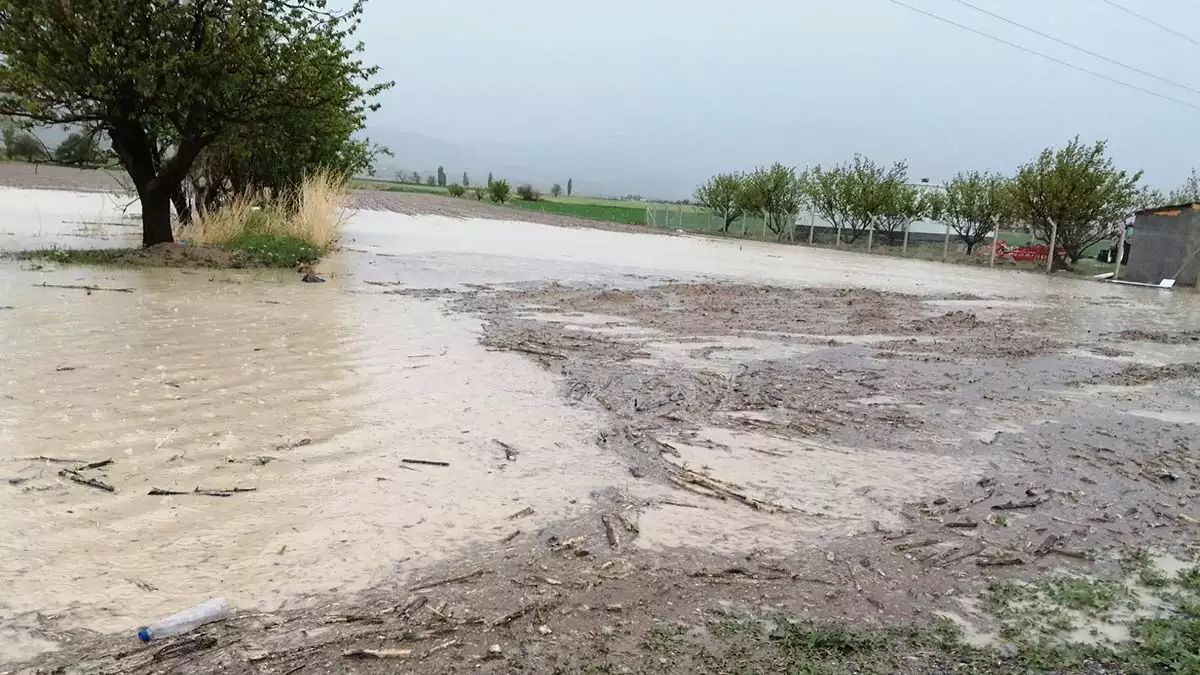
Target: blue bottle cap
(144, 634)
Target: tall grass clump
(286, 229)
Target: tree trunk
(156, 218)
(183, 209)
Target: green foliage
(455, 190)
(527, 193)
(479, 194)
(80, 149)
(431, 181)
(975, 205)
(1076, 193)
(722, 195)
(274, 250)
(556, 190)
(441, 177)
(466, 182)
(489, 183)
(570, 186)
(633, 215)
(26, 146)
(1186, 193)
(415, 178)
(776, 193)
(854, 196)
(498, 191)
(257, 79)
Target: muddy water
(313, 394)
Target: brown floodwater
(312, 395)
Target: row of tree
(1073, 194)
(439, 180)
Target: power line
(1059, 61)
(1077, 47)
(1152, 22)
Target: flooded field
(728, 400)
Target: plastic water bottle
(182, 622)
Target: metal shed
(1166, 245)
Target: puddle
(835, 491)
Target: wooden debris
(610, 532)
(920, 543)
(720, 489)
(187, 646)
(437, 648)
(668, 502)
(377, 653)
(510, 537)
(414, 603)
(222, 492)
(427, 462)
(1000, 560)
(965, 524)
(627, 523)
(51, 460)
(510, 453)
(1050, 543)
(522, 611)
(1023, 504)
(960, 554)
(72, 475)
(350, 618)
(533, 350)
(527, 511)
(83, 288)
(94, 465)
(452, 580)
(64, 369)
(159, 492)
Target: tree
(415, 178)
(431, 180)
(721, 195)
(456, 190)
(975, 205)
(570, 186)
(166, 80)
(556, 190)
(466, 180)
(489, 183)
(527, 193)
(900, 204)
(854, 196)
(441, 177)
(24, 145)
(1075, 196)
(498, 191)
(1185, 194)
(776, 193)
(82, 148)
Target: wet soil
(50, 177)
(861, 457)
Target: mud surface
(629, 460)
(50, 177)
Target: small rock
(310, 278)
(494, 652)
(544, 629)
(615, 607)
(607, 630)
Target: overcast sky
(674, 90)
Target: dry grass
(314, 214)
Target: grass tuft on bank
(289, 230)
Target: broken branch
(90, 482)
(452, 580)
(429, 462)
